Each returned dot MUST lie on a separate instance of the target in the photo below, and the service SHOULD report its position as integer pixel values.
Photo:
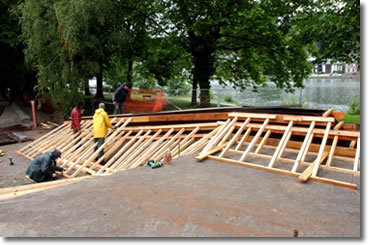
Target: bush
(354, 104)
(228, 98)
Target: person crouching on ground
(43, 167)
(76, 118)
(101, 123)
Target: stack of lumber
(219, 136)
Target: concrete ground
(185, 199)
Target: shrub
(354, 105)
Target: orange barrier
(145, 100)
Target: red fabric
(76, 116)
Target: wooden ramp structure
(295, 145)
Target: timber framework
(307, 146)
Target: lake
(319, 93)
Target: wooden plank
(343, 134)
(284, 172)
(284, 144)
(264, 139)
(151, 150)
(222, 131)
(253, 142)
(357, 156)
(243, 138)
(303, 148)
(227, 135)
(200, 142)
(338, 115)
(183, 145)
(309, 118)
(334, 144)
(327, 113)
(210, 152)
(251, 115)
(113, 162)
(277, 151)
(291, 161)
(321, 150)
(11, 192)
(236, 136)
(134, 151)
(308, 171)
(352, 144)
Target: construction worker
(119, 97)
(101, 123)
(76, 117)
(43, 167)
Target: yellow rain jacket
(101, 123)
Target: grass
(352, 119)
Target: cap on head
(56, 153)
(101, 105)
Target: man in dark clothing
(119, 98)
(43, 167)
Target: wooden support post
(357, 156)
(236, 136)
(321, 150)
(303, 148)
(254, 141)
(277, 151)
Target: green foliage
(294, 100)
(354, 106)
(352, 119)
(333, 32)
(178, 86)
(229, 98)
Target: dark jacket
(42, 167)
(120, 94)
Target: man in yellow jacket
(101, 123)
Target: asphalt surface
(185, 199)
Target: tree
(16, 79)
(333, 30)
(245, 43)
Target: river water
(319, 93)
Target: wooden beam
(309, 118)
(210, 152)
(251, 115)
(284, 172)
(321, 150)
(303, 148)
(253, 142)
(327, 113)
(308, 171)
(277, 151)
(357, 156)
(243, 138)
(236, 136)
(334, 144)
(264, 139)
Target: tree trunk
(204, 67)
(130, 70)
(87, 92)
(194, 93)
(99, 93)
